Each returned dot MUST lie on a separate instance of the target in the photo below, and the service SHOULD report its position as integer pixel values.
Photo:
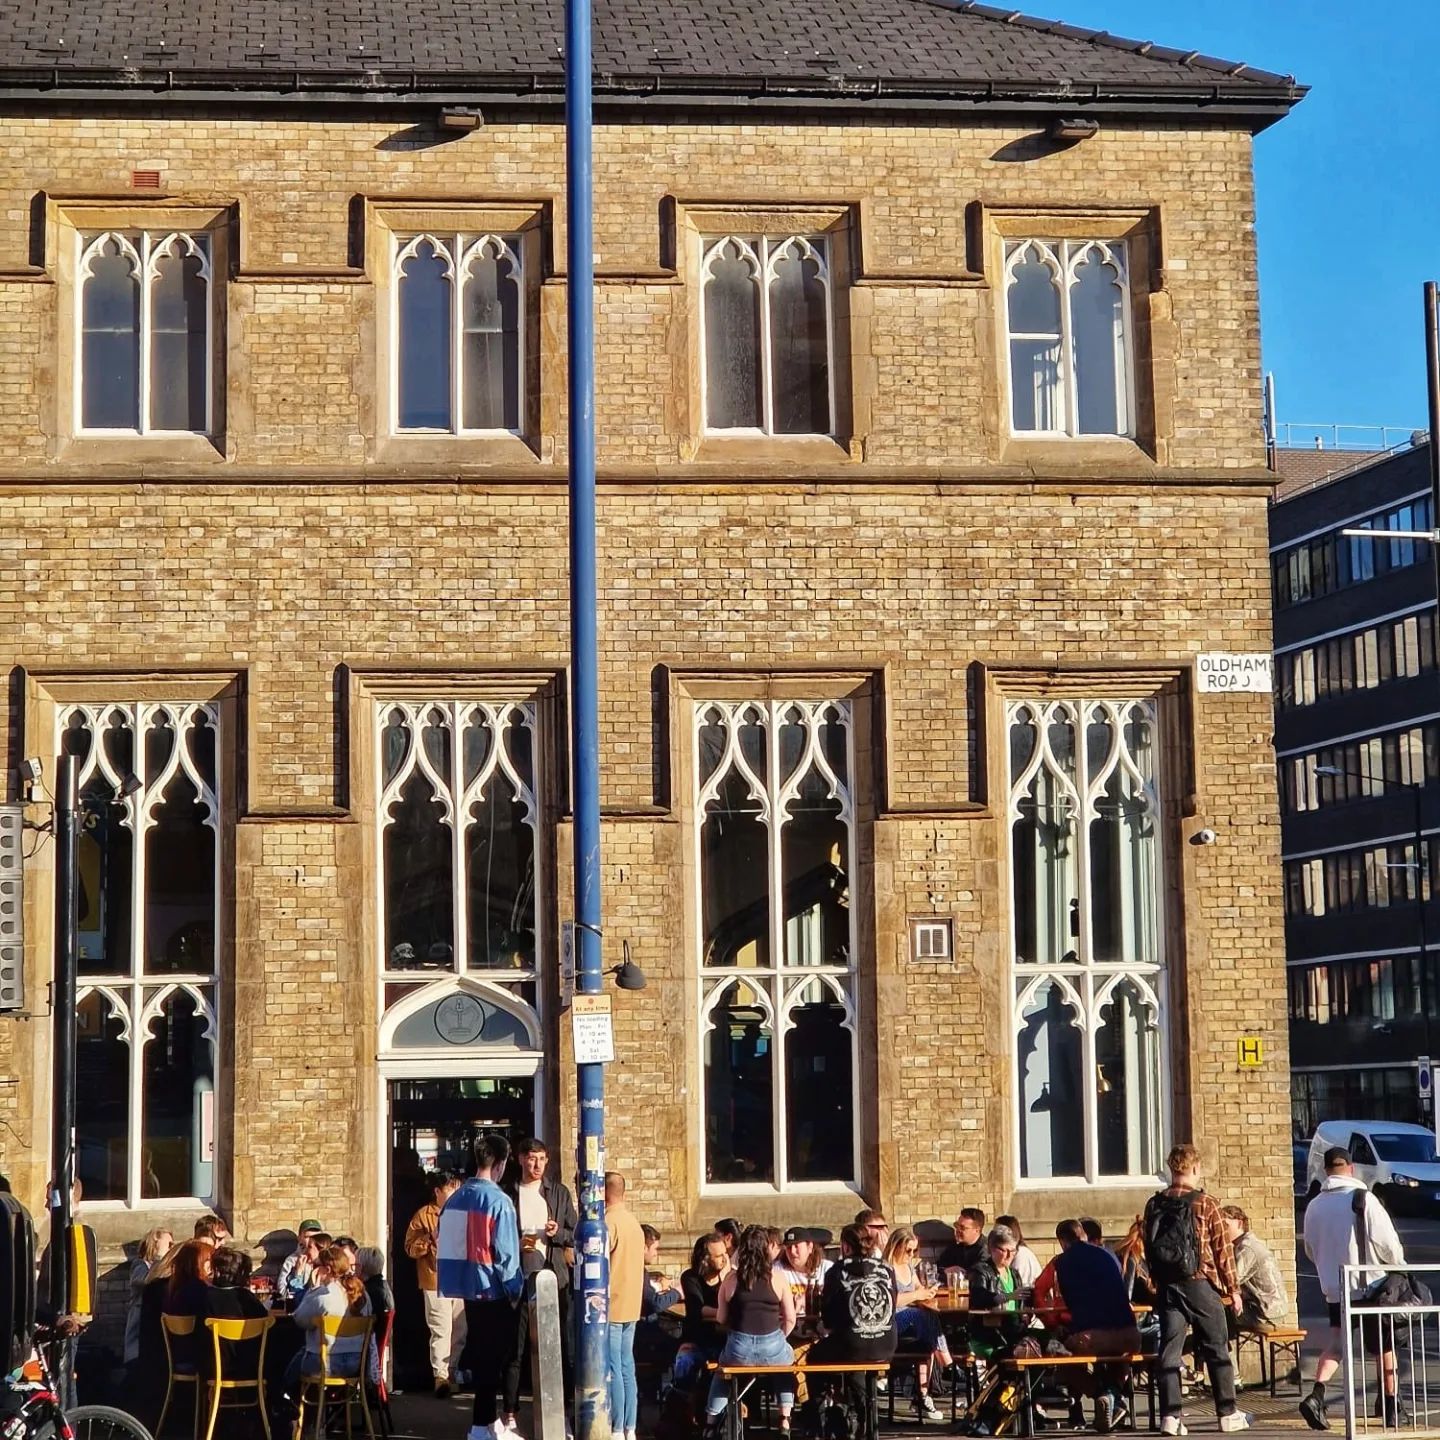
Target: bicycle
(30, 1406)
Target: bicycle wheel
(104, 1422)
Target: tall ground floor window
(776, 849)
(1087, 866)
(148, 905)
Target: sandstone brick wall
(929, 545)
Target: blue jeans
(915, 1322)
(624, 1395)
(741, 1349)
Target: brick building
(928, 413)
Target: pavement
(422, 1417)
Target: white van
(1397, 1161)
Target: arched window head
(145, 343)
(459, 335)
(1069, 345)
(768, 335)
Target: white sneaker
(1173, 1425)
(630, 1435)
(1236, 1420)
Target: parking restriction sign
(1424, 1078)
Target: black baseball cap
(794, 1235)
(1336, 1157)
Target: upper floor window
(459, 335)
(768, 335)
(144, 317)
(1067, 312)
(1087, 876)
(149, 871)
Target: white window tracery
(149, 883)
(776, 848)
(459, 823)
(767, 335)
(143, 333)
(1088, 955)
(458, 322)
(1067, 316)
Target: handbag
(1395, 1288)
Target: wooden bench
(1028, 1367)
(739, 1379)
(1270, 1346)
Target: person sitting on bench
(1101, 1320)
(857, 1305)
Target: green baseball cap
(312, 1225)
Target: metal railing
(1296, 435)
(1384, 1341)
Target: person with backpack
(1192, 1265)
(1337, 1220)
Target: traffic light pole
(592, 1417)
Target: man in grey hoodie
(1330, 1241)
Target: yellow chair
(314, 1389)
(218, 1383)
(175, 1327)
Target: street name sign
(1216, 673)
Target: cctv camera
(30, 770)
(1203, 837)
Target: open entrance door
(433, 1125)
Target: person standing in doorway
(478, 1261)
(547, 1229)
(1193, 1266)
(627, 1284)
(444, 1317)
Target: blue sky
(1348, 187)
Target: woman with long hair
(1130, 1252)
(757, 1310)
(912, 1321)
(186, 1294)
(336, 1291)
(152, 1248)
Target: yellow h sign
(1252, 1050)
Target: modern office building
(1357, 736)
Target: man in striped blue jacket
(477, 1260)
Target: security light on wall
(1072, 129)
(461, 117)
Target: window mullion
(456, 781)
(1068, 385)
(135, 1120)
(143, 419)
(767, 366)
(457, 345)
(777, 943)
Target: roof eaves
(1191, 59)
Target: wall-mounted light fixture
(461, 117)
(1071, 129)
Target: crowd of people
(1189, 1270)
(207, 1277)
(1187, 1276)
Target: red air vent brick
(145, 179)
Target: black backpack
(1172, 1248)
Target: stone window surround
(687, 690)
(526, 221)
(46, 693)
(66, 221)
(1173, 692)
(1152, 333)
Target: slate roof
(955, 51)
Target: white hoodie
(1330, 1234)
